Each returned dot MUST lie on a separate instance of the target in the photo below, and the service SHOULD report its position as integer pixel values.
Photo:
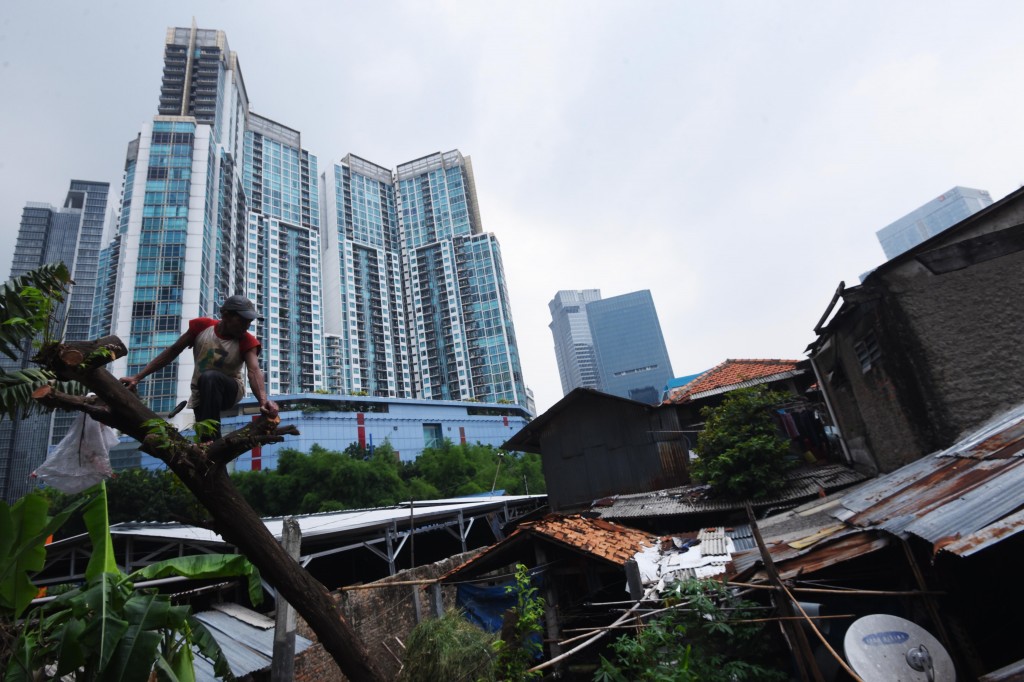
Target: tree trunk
(202, 468)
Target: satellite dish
(884, 648)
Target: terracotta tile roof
(603, 539)
(597, 537)
(730, 373)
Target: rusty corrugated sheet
(951, 496)
(843, 546)
(987, 536)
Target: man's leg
(217, 392)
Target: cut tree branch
(202, 468)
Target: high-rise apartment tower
(184, 212)
(415, 294)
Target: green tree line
(327, 480)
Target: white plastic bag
(81, 459)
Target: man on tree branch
(220, 348)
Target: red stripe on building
(257, 452)
(361, 429)
(462, 435)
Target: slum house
(937, 541)
(802, 418)
(586, 568)
(593, 444)
(924, 349)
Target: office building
(70, 234)
(574, 347)
(944, 211)
(612, 344)
(283, 255)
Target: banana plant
(105, 629)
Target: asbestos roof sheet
(245, 637)
(733, 374)
(693, 499)
(961, 500)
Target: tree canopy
(741, 453)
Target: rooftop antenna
(882, 648)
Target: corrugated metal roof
(840, 546)
(988, 536)
(973, 487)
(327, 523)
(245, 637)
(693, 499)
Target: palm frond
(16, 389)
(27, 303)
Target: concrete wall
(946, 317)
(381, 616)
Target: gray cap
(239, 305)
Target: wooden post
(282, 667)
(804, 656)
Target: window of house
(868, 352)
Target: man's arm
(252, 366)
(160, 361)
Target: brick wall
(382, 616)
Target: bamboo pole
(850, 592)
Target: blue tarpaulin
(485, 605)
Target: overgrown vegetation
(741, 454)
(326, 480)
(520, 643)
(102, 629)
(707, 637)
(448, 648)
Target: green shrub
(448, 648)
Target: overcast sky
(735, 158)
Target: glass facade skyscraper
(71, 234)
(574, 347)
(925, 222)
(460, 324)
(632, 358)
(367, 280)
(614, 345)
(184, 212)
